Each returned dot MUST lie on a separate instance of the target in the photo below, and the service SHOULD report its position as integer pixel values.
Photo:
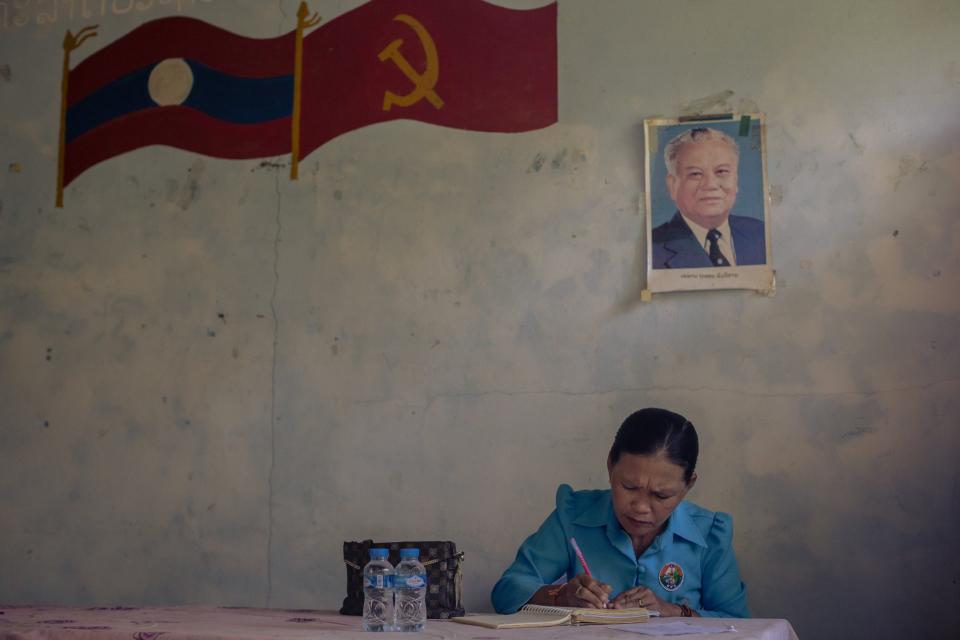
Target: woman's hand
(644, 597)
(586, 593)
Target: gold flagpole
(303, 22)
(70, 42)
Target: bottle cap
(410, 553)
(379, 553)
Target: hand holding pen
(584, 590)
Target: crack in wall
(273, 393)
(283, 17)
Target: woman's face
(646, 489)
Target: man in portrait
(702, 176)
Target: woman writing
(646, 546)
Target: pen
(583, 561)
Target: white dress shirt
(725, 241)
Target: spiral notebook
(534, 615)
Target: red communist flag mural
(468, 65)
(184, 83)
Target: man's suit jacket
(676, 247)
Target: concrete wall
(210, 375)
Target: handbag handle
(457, 556)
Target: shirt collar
(598, 514)
(680, 523)
(701, 232)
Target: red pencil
(583, 561)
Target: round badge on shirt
(671, 576)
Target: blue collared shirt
(691, 561)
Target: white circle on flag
(170, 82)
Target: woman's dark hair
(650, 431)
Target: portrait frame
(676, 260)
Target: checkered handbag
(444, 575)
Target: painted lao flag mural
(184, 83)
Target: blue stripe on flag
(120, 97)
(221, 96)
(239, 100)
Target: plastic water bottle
(378, 592)
(411, 585)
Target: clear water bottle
(411, 586)
(378, 592)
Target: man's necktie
(717, 258)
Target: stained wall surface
(211, 376)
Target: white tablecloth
(209, 623)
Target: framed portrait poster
(706, 204)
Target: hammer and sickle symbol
(423, 82)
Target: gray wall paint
(433, 328)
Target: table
(208, 623)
